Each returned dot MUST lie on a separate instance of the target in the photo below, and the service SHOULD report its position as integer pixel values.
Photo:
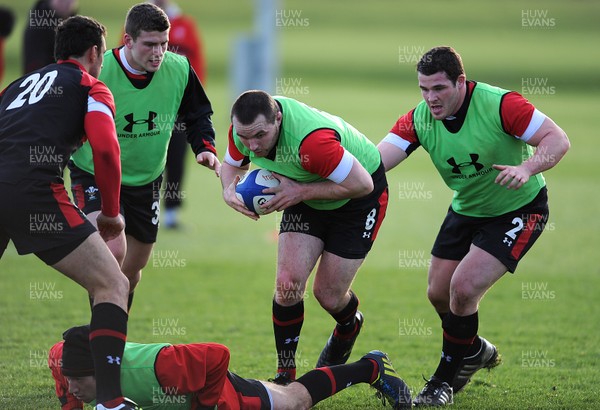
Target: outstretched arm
(391, 155)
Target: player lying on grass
(196, 376)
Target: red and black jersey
(44, 117)
(41, 120)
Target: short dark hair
(75, 35)
(250, 104)
(77, 360)
(444, 59)
(145, 17)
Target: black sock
(442, 315)
(287, 324)
(474, 348)
(108, 331)
(326, 381)
(129, 301)
(459, 333)
(346, 318)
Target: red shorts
(202, 369)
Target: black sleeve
(195, 112)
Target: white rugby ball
(249, 189)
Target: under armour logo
(132, 122)
(448, 358)
(507, 241)
(289, 340)
(113, 360)
(456, 167)
(366, 235)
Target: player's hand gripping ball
(249, 189)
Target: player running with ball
(333, 184)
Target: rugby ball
(249, 189)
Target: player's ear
(127, 40)
(95, 53)
(91, 54)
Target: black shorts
(140, 205)
(39, 217)
(348, 231)
(249, 388)
(508, 237)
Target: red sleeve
(194, 368)
(403, 134)
(321, 152)
(516, 112)
(67, 400)
(405, 128)
(100, 92)
(101, 133)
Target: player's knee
(462, 296)
(119, 254)
(288, 289)
(133, 278)
(111, 284)
(437, 298)
(120, 283)
(133, 268)
(329, 300)
(291, 397)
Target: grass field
(213, 280)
